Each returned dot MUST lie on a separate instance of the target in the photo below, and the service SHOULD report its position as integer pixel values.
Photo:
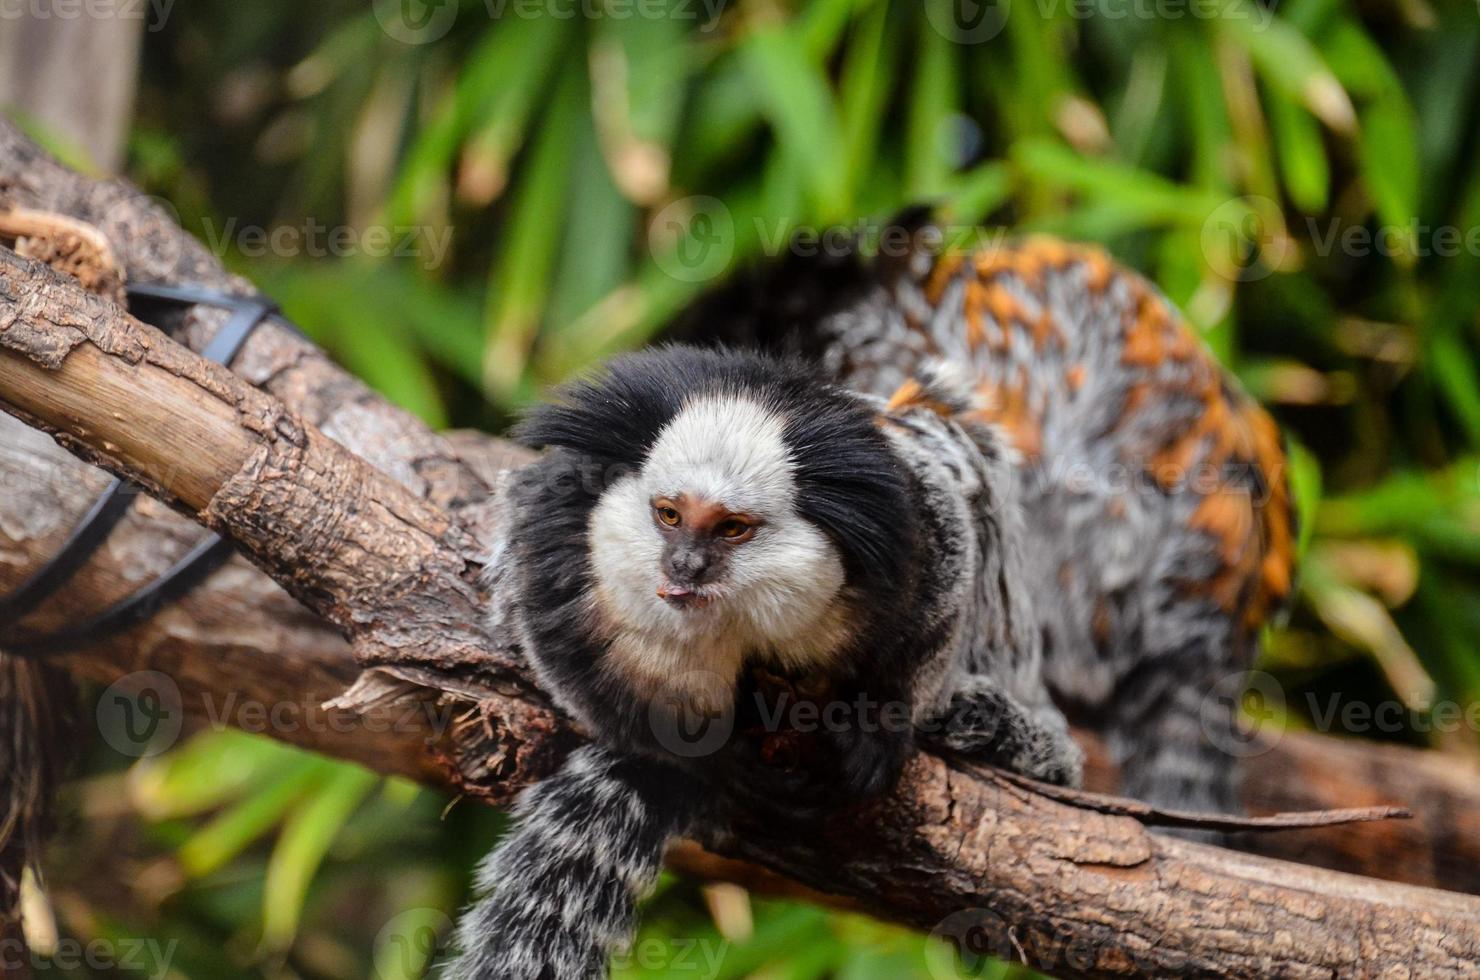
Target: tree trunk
(74, 76)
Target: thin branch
(1152, 816)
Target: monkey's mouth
(684, 596)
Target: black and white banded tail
(559, 895)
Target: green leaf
(795, 98)
(386, 359)
(978, 192)
(232, 831)
(206, 772)
(868, 75)
(934, 98)
(1195, 79)
(1357, 61)
(593, 258)
(1288, 61)
(781, 927)
(1445, 599)
(1136, 111)
(822, 22)
(1184, 273)
(347, 307)
(487, 113)
(1302, 155)
(1040, 75)
(1306, 488)
(446, 324)
(1152, 199)
(307, 835)
(640, 69)
(1454, 367)
(1389, 143)
(521, 275)
(407, 949)
(724, 115)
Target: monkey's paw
(986, 724)
(808, 775)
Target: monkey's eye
(735, 530)
(667, 516)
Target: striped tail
(560, 893)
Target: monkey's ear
(613, 416)
(852, 485)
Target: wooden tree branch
(395, 574)
(358, 548)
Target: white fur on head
(780, 595)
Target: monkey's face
(706, 538)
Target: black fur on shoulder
(777, 303)
(850, 483)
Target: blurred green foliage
(544, 167)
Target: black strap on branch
(247, 312)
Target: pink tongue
(669, 591)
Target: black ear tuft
(854, 487)
(613, 417)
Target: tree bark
(1076, 892)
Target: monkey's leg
(985, 723)
(1172, 728)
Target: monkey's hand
(984, 723)
(867, 763)
(840, 755)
